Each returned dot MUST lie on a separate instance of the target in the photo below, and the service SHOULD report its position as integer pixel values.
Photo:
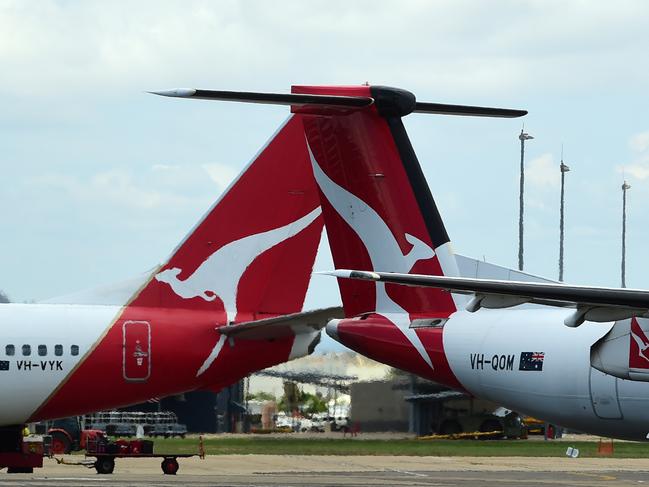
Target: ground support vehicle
(106, 452)
(68, 435)
(19, 453)
(508, 426)
(534, 426)
(469, 435)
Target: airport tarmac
(315, 471)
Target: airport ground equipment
(534, 425)
(469, 435)
(69, 435)
(106, 452)
(483, 425)
(20, 453)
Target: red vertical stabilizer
(378, 210)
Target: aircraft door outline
(603, 395)
(136, 351)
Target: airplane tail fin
(378, 209)
(251, 255)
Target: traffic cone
(605, 448)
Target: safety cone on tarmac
(605, 448)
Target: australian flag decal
(4, 365)
(531, 361)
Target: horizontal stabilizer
(467, 110)
(282, 326)
(335, 101)
(270, 98)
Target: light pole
(625, 186)
(564, 169)
(522, 137)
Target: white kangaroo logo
(219, 275)
(640, 340)
(642, 346)
(382, 247)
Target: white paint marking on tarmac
(405, 472)
(93, 479)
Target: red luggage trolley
(105, 452)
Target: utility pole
(625, 186)
(522, 137)
(564, 169)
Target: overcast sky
(100, 181)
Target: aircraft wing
(281, 326)
(592, 303)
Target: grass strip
(314, 446)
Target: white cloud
(639, 143)
(220, 173)
(639, 166)
(120, 187)
(543, 172)
(638, 171)
(480, 47)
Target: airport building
(375, 397)
(407, 403)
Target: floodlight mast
(564, 169)
(625, 187)
(522, 137)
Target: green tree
(261, 396)
(296, 399)
(290, 401)
(313, 403)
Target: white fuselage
(59, 360)
(484, 351)
(57, 337)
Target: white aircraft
(572, 355)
